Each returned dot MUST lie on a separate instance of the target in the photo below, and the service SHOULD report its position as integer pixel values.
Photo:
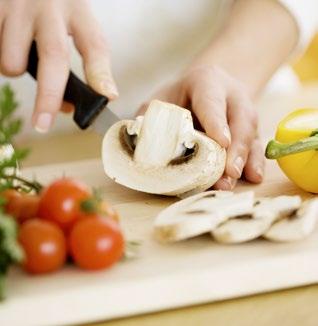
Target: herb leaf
(10, 250)
(9, 125)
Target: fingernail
(109, 89)
(238, 166)
(259, 171)
(227, 134)
(43, 122)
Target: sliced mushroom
(297, 226)
(248, 227)
(162, 153)
(200, 214)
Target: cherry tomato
(96, 242)
(60, 201)
(10, 194)
(20, 205)
(44, 245)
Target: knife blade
(105, 119)
(90, 107)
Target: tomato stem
(275, 149)
(91, 205)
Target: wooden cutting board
(163, 276)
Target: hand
(223, 108)
(50, 22)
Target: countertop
(288, 307)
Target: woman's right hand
(50, 22)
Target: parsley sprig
(10, 177)
(10, 250)
(10, 126)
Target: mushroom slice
(296, 226)
(248, 227)
(200, 214)
(162, 153)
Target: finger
(16, 39)
(171, 93)
(208, 101)
(2, 19)
(243, 124)
(225, 183)
(143, 108)
(53, 70)
(254, 168)
(91, 43)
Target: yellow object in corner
(306, 67)
(296, 148)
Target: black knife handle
(88, 103)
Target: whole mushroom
(162, 153)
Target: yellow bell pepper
(296, 148)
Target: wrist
(227, 52)
(256, 39)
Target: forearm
(256, 39)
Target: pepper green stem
(275, 149)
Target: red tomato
(60, 201)
(44, 246)
(21, 206)
(96, 243)
(10, 194)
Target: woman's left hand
(224, 110)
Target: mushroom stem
(163, 134)
(277, 149)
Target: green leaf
(2, 289)
(10, 250)
(13, 127)
(10, 126)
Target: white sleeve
(305, 13)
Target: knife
(90, 107)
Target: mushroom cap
(196, 172)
